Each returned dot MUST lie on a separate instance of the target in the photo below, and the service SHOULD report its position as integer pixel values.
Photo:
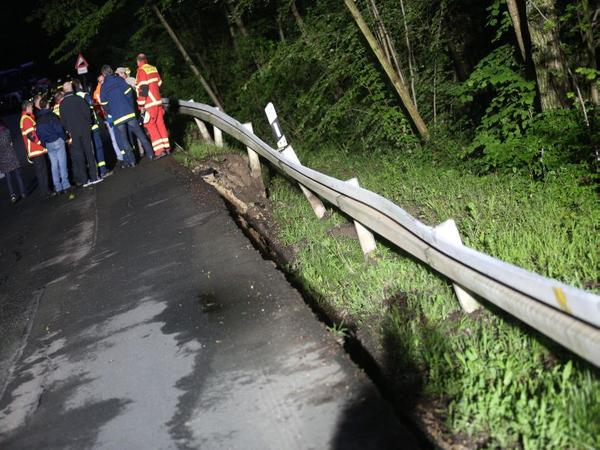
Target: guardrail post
(252, 155)
(315, 202)
(203, 129)
(289, 153)
(449, 231)
(365, 237)
(218, 135)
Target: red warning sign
(81, 65)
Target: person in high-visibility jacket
(58, 98)
(115, 138)
(149, 102)
(116, 99)
(36, 153)
(95, 129)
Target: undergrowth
(495, 379)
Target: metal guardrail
(568, 315)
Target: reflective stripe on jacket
(34, 147)
(116, 97)
(148, 84)
(84, 95)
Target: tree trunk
(460, 66)
(411, 58)
(187, 58)
(513, 9)
(205, 69)
(237, 18)
(231, 30)
(550, 67)
(386, 41)
(400, 88)
(300, 22)
(280, 29)
(233, 17)
(590, 43)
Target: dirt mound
(231, 171)
(230, 175)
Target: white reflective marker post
(252, 155)
(275, 126)
(365, 237)
(449, 231)
(290, 154)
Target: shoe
(23, 195)
(88, 183)
(157, 157)
(97, 180)
(13, 199)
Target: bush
(510, 135)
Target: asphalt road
(138, 316)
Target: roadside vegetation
(492, 381)
(492, 118)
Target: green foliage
(338, 95)
(511, 135)
(80, 21)
(499, 19)
(589, 73)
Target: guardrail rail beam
(566, 314)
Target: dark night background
(23, 41)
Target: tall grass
(493, 378)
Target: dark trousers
(99, 149)
(14, 177)
(82, 157)
(41, 173)
(133, 127)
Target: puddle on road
(209, 303)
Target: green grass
(494, 377)
(199, 150)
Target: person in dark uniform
(76, 117)
(116, 97)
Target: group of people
(72, 120)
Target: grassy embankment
(493, 377)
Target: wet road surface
(139, 316)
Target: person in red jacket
(149, 102)
(36, 153)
